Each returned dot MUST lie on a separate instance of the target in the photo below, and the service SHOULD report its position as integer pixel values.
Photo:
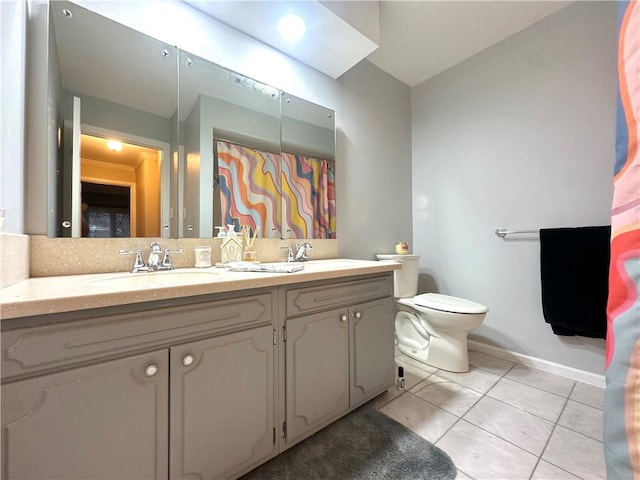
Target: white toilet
(432, 328)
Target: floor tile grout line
(515, 364)
(560, 468)
(568, 397)
(555, 423)
(459, 384)
(444, 409)
(539, 388)
(506, 440)
(569, 428)
(524, 410)
(493, 435)
(448, 430)
(503, 439)
(537, 457)
(585, 404)
(457, 469)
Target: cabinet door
(317, 371)
(372, 349)
(222, 405)
(106, 421)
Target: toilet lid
(445, 303)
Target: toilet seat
(446, 303)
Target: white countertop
(49, 295)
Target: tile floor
(502, 420)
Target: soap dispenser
(231, 249)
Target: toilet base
(453, 361)
(445, 351)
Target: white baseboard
(547, 366)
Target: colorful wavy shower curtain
(622, 397)
(250, 187)
(308, 194)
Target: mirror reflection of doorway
(105, 210)
(121, 188)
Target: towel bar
(502, 232)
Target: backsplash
(75, 256)
(14, 258)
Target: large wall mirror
(115, 93)
(140, 157)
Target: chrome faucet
(301, 252)
(154, 256)
(154, 263)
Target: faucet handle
(301, 252)
(154, 256)
(138, 264)
(166, 260)
(290, 256)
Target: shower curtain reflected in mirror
(308, 196)
(258, 188)
(249, 188)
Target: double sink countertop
(70, 293)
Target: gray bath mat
(365, 444)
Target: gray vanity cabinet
(317, 373)
(197, 387)
(107, 420)
(339, 350)
(184, 390)
(371, 356)
(222, 407)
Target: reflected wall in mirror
(219, 137)
(111, 82)
(230, 127)
(308, 169)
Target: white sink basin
(168, 278)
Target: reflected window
(105, 211)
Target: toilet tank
(405, 280)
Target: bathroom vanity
(201, 378)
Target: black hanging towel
(574, 268)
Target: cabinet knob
(187, 360)
(358, 315)
(151, 370)
(343, 318)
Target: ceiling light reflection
(114, 145)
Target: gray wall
(373, 167)
(520, 136)
(120, 118)
(13, 47)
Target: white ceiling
(421, 39)
(329, 45)
(417, 39)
